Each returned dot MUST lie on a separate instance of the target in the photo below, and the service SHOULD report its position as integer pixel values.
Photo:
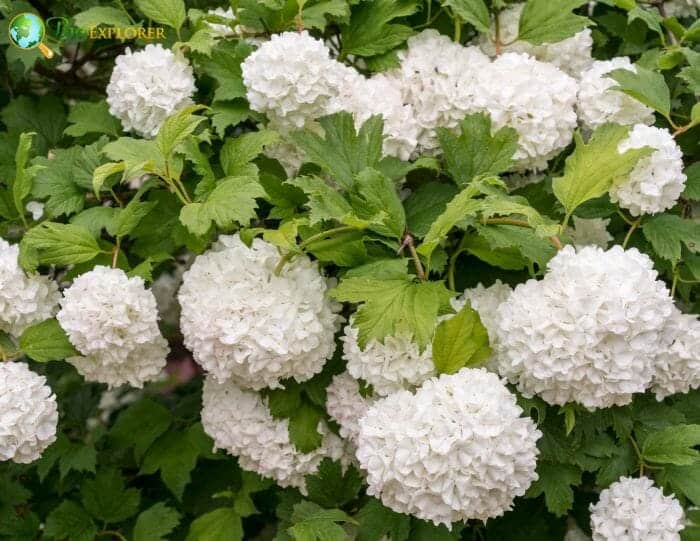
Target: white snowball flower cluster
(682, 8)
(589, 331)
(112, 320)
(486, 300)
(598, 103)
(293, 80)
(677, 367)
(572, 55)
(28, 413)
(24, 300)
(439, 79)
(241, 321)
(391, 366)
(346, 405)
(534, 98)
(657, 181)
(590, 232)
(457, 449)
(148, 86)
(240, 422)
(633, 509)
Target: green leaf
(315, 15)
(92, 117)
(555, 482)
(225, 114)
(106, 498)
(250, 484)
(648, 87)
(668, 232)
(330, 487)
(61, 244)
(46, 341)
(138, 156)
(377, 521)
(393, 306)
(425, 204)
(474, 12)
(370, 33)
(691, 73)
(239, 151)
(233, 200)
(460, 341)
(140, 425)
(650, 16)
(175, 455)
(374, 199)
(22, 184)
(594, 167)
(673, 445)
(684, 480)
(95, 219)
(98, 15)
(128, 218)
(303, 428)
(524, 240)
(170, 12)
(313, 523)
(224, 65)
(509, 258)
(45, 117)
(202, 41)
(325, 202)
(155, 523)
(475, 151)
(692, 183)
(178, 127)
(79, 457)
(546, 21)
(71, 522)
(222, 524)
(343, 152)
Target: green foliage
(667, 233)
(460, 341)
(646, 86)
(46, 341)
(542, 21)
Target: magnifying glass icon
(27, 31)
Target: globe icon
(27, 30)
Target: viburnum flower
(439, 79)
(682, 8)
(590, 232)
(633, 509)
(345, 405)
(241, 321)
(147, 86)
(455, 450)
(572, 55)
(677, 366)
(24, 299)
(657, 181)
(293, 80)
(240, 422)
(381, 95)
(28, 413)
(393, 365)
(534, 98)
(589, 331)
(598, 103)
(486, 300)
(112, 320)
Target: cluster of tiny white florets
(439, 79)
(657, 180)
(682, 8)
(389, 366)
(293, 80)
(677, 367)
(455, 450)
(24, 300)
(28, 413)
(112, 320)
(486, 300)
(534, 98)
(599, 103)
(571, 55)
(240, 422)
(590, 232)
(633, 509)
(147, 86)
(242, 321)
(345, 405)
(165, 289)
(589, 331)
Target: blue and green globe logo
(27, 31)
